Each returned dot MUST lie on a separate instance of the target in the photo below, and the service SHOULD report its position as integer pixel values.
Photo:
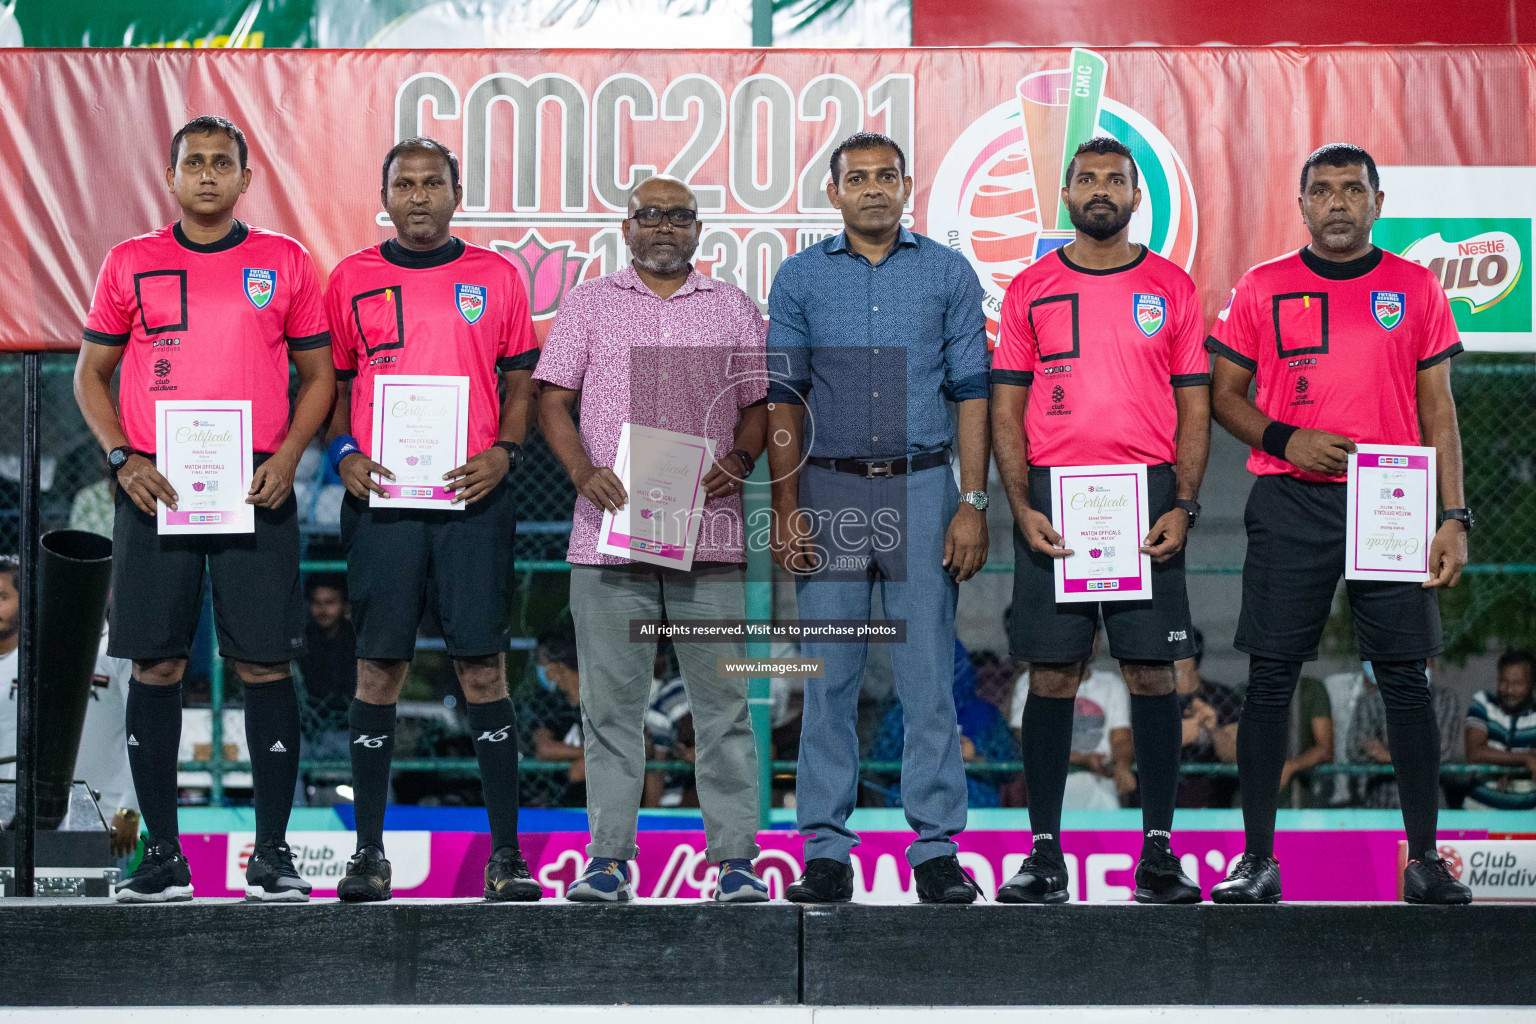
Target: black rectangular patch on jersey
(162, 297)
(379, 316)
(1301, 324)
(1055, 327)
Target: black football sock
(1414, 741)
(1047, 735)
(154, 738)
(1157, 730)
(372, 746)
(272, 734)
(1263, 736)
(495, 733)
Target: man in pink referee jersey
(1349, 345)
(1099, 363)
(207, 308)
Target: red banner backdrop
(551, 141)
(1221, 22)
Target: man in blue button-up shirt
(869, 333)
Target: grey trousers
(615, 690)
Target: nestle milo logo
(1479, 261)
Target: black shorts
(157, 587)
(394, 555)
(1040, 630)
(1295, 558)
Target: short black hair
(1341, 154)
(867, 140)
(210, 124)
(10, 566)
(419, 143)
(1518, 656)
(1103, 145)
(333, 581)
(559, 646)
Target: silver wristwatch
(977, 499)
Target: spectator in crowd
(984, 736)
(1210, 712)
(329, 665)
(102, 761)
(550, 718)
(1312, 740)
(1344, 690)
(91, 507)
(1501, 729)
(669, 734)
(1370, 740)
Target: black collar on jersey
(417, 259)
(1062, 252)
(1340, 271)
(237, 234)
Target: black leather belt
(885, 467)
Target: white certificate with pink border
(1390, 514)
(1101, 514)
(663, 474)
(420, 432)
(203, 449)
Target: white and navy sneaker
(739, 883)
(605, 881)
(161, 877)
(272, 877)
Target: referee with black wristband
(1349, 345)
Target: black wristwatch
(514, 454)
(1463, 516)
(117, 458)
(1191, 506)
(748, 463)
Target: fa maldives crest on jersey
(1151, 313)
(1387, 308)
(471, 299)
(259, 286)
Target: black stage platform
(92, 952)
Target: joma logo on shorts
(1175, 635)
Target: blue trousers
(887, 532)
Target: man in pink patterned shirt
(658, 344)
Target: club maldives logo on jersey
(471, 300)
(1471, 227)
(1151, 312)
(996, 195)
(1387, 308)
(259, 286)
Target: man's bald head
(664, 191)
(658, 244)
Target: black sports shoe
(1251, 880)
(162, 876)
(507, 878)
(825, 881)
(943, 880)
(1428, 880)
(271, 877)
(1161, 879)
(367, 878)
(1039, 880)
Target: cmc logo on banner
(996, 194)
(322, 857)
(1471, 227)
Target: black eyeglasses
(651, 216)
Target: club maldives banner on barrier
(1318, 865)
(551, 142)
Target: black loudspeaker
(74, 575)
